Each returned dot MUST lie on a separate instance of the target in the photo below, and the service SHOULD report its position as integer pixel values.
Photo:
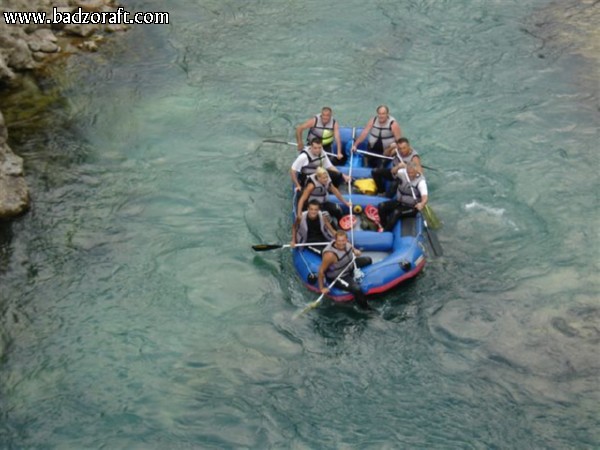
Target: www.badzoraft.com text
(80, 17)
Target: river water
(134, 314)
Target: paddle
(319, 300)
(358, 274)
(364, 152)
(432, 218)
(267, 247)
(431, 235)
(348, 222)
(377, 155)
(352, 218)
(373, 214)
(275, 141)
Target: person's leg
(336, 178)
(393, 187)
(363, 261)
(408, 211)
(348, 284)
(333, 209)
(380, 162)
(334, 159)
(392, 219)
(379, 176)
(399, 212)
(385, 209)
(374, 161)
(338, 161)
(302, 179)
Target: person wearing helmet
(325, 127)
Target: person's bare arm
(304, 197)
(389, 151)
(335, 191)
(397, 132)
(294, 176)
(300, 128)
(417, 160)
(420, 205)
(295, 226)
(362, 135)
(338, 141)
(328, 225)
(328, 259)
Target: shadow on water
(336, 322)
(6, 234)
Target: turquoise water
(135, 315)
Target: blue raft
(397, 255)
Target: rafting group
(360, 208)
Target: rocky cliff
(26, 48)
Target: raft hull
(398, 255)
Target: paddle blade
(434, 242)
(432, 220)
(265, 247)
(346, 224)
(309, 307)
(373, 214)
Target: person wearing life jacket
(411, 196)
(338, 261)
(382, 131)
(325, 127)
(318, 187)
(403, 153)
(312, 225)
(307, 163)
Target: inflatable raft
(397, 255)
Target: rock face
(25, 48)
(14, 195)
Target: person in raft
(325, 127)
(339, 256)
(318, 187)
(307, 163)
(411, 196)
(383, 130)
(312, 225)
(403, 153)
